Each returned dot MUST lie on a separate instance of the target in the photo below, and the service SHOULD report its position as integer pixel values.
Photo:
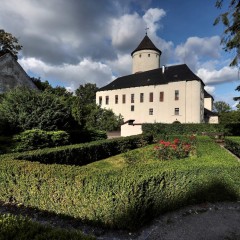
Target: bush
(83, 136)
(161, 129)
(125, 198)
(81, 154)
(177, 149)
(26, 109)
(233, 144)
(37, 139)
(18, 227)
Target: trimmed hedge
(18, 227)
(191, 128)
(125, 198)
(81, 154)
(233, 144)
(83, 136)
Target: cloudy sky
(73, 42)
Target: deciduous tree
(221, 106)
(9, 43)
(26, 109)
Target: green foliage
(9, 43)
(37, 139)
(221, 107)
(85, 98)
(160, 130)
(233, 144)
(81, 154)
(26, 109)
(102, 119)
(83, 136)
(18, 227)
(125, 198)
(87, 93)
(229, 117)
(231, 21)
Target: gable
(12, 74)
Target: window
(132, 98)
(140, 55)
(132, 108)
(100, 101)
(161, 99)
(116, 99)
(150, 111)
(149, 55)
(107, 100)
(151, 97)
(141, 97)
(176, 111)
(123, 98)
(176, 95)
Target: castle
(156, 94)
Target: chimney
(163, 69)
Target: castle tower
(146, 56)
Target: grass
(18, 227)
(208, 154)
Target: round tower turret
(146, 56)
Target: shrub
(233, 144)
(125, 198)
(81, 154)
(161, 129)
(166, 150)
(83, 136)
(37, 139)
(26, 109)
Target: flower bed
(167, 150)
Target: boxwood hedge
(190, 128)
(233, 144)
(81, 154)
(125, 198)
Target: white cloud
(152, 18)
(197, 49)
(71, 76)
(226, 74)
(210, 89)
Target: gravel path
(208, 221)
(218, 221)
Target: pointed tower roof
(146, 44)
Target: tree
(85, 98)
(231, 36)
(229, 117)
(26, 109)
(102, 119)
(9, 43)
(231, 21)
(237, 98)
(221, 106)
(87, 93)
